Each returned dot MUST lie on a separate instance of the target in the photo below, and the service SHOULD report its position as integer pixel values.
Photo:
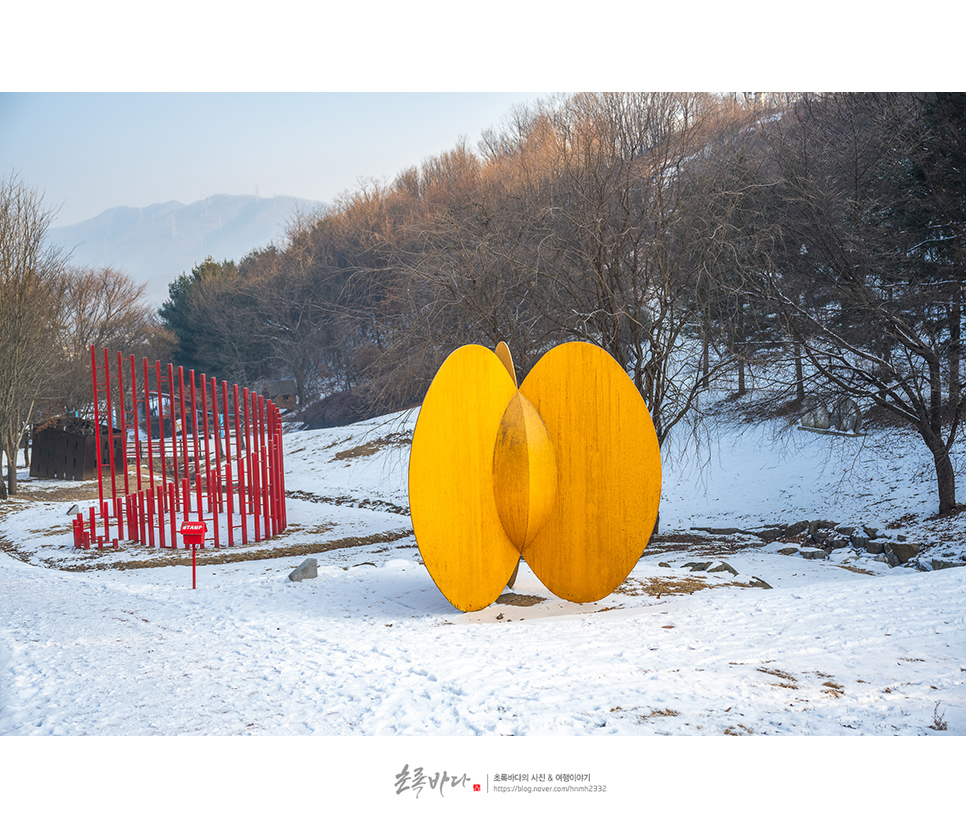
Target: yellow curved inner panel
(502, 350)
(524, 472)
(451, 490)
(608, 472)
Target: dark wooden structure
(65, 449)
(282, 392)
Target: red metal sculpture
(231, 477)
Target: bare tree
(102, 307)
(31, 297)
(583, 224)
(867, 270)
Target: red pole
(254, 484)
(110, 429)
(194, 583)
(176, 477)
(129, 515)
(147, 422)
(266, 488)
(171, 514)
(214, 522)
(230, 510)
(159, 512)
(272, 497)
(204, 414)
(97, 435)
(137, 428)
(214, 489)
(277, 480)
(144, 518)
(281, 477)
(248, 443)
(216, 432)
(120, 391)
(185, 482)
(241, 467)
(280, 473)
(119, 514)
(266, 506)
(194, 433)
(162, 458)
(270, 468)
(255, 494)
(228, 484)
(137, 520)
(277, 470)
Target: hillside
(157, 243)
(781, 641)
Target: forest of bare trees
(691, 235)
(50, 315)
(687, 234)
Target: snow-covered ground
(837, 647)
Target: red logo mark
(476, 787)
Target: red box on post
(193, 532)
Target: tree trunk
(12, 473)
(739, 338)
(705, 360)
(799, 374)
(945, 475)
(955, 347)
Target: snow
(836, 648)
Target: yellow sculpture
(565, 471)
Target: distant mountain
(156, 244)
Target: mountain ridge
(155, 244)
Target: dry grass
(698, 545)
(226, 556)
(518, 599)
(658, 586)
(367, 449)
(740, 730)
(661, 586)
(667, 712)
(791, 682)
(902, 521)
(857, 570)
(79, 491)
(13, 549)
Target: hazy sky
(91, 151)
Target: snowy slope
(834, 647)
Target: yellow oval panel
(451, 490)
(524, 472)
(608, 472)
